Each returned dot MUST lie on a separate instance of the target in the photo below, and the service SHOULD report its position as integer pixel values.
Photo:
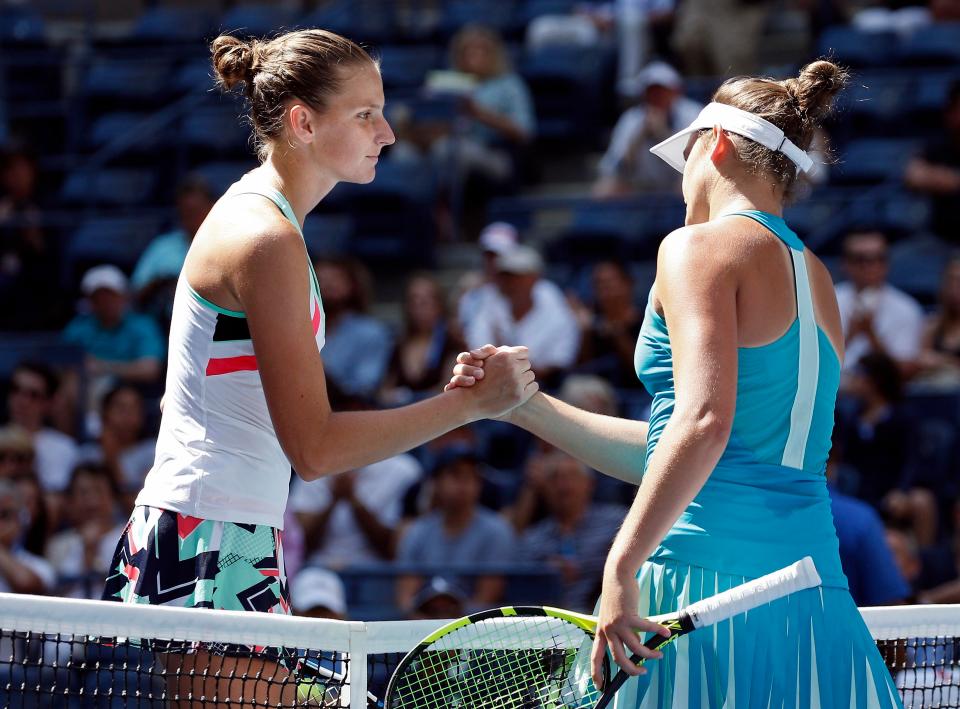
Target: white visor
(735, 120)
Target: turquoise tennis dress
(764, 506)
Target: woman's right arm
(269, 279)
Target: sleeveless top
(218, 456)
(766, 504)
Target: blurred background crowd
(519, 205)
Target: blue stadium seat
(916, 266)
(406, 66)
(166, 23)
(938, 43)
(128, 77)
(116, 239)
(258, 20)
(555, 74)
(875, 103)
(194, 76)
(109, 126)
(220, 175)
(328, 234)
(37, 346)
(874, 160)
(114, 187)
(358, 19)
(216, 128)
(21, 24)
(532, 9)
(500, 15)
(857, 48)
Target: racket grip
(653, 643)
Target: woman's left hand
(619, 626)
(469, 368)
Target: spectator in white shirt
(876, 316)
(351, 518)
(29, 402)
(628, 166)
(20, 571)
(530, 311)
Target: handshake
(496, 379)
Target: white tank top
(218, 456)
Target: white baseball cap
(521, 260)
(735, 120)
(314, 587)
(659, 74)
(105, 276)
(499, 237)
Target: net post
(358, 666)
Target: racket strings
(501, 664)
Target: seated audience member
(427, 348)
(120, 344)
(351, 518)
(121, 445)
(29, 405)
(437, 599)
(155, 276)
(876, 440)
(358, 346)
(940, 356)
(20, 571)
(457, 533)
(316, 592)
(876, 316)
(81, 554)
(609, 329)
(936, 171)
(28, 261)
(16, 465)
(576, 534)
(628, 166)
(539, 318)
(867, 559)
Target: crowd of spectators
(456, 517)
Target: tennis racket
(537, 657)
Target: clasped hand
(500, 377)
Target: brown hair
(304, 64)
(471, 32)
(796, 106)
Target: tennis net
(73, 654)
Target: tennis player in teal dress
(741, 347)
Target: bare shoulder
(700, 247)
(242, 243)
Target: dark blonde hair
(304, 64)
(471, 32)
(797, 106)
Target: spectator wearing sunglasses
(876, 316)
(29, 404)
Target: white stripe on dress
(801, 416)
(814, 677)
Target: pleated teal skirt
(810, 649)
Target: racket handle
(610, 691)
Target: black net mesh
(925, 670)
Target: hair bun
(815, 87)
(234, 60)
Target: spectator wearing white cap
(119, 343)
(628, 166)
(479, 286)
(316, 592)
(529, 310)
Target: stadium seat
(19, 23)
(113, 187)
(128, 78)
(916, 265)
(116, 239)
(109, 126)
(328, 234)
(874, 160)
(194, 75)
(531, 9)
(361, 20)
(500, 15)
(258, 20)
(220, 175)
(406, 66)
(216, 128)
(858, 48)
(37, 346)
(168, 23)
(938, 43)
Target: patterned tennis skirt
(808, 650)
(165, 558)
